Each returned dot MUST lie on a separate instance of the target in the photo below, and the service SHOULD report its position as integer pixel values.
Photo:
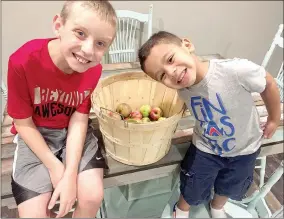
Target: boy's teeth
(181, 77)
(81, 60)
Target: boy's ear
(57, 24)
(188, 45)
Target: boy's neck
(201, 69)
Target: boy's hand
(269, 128)
(56, 173)
(66, 189)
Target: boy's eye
(80, 33)
(101, 44)
(162, 76)
(170, 60)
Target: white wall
(231, 28)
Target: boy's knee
(91, 197)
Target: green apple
(145, 120)
(145, 110)
(161, 118)
(130, 120)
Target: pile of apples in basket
(145, 114)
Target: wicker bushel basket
(129, 143)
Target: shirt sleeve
(19, 103)
(251, 76)
(85, 106)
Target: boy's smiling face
(172, 65)
(84, 37)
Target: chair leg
(103, 212)
(245, 200)
(262, 171)
(266, 188)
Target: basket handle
(102, 111)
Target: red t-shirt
(37, 88)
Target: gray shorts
(30, 177)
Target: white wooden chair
(250, 209)
(125, 45)
(5, 95)
(4, 90)
(277, 41)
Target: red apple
(135, 115)
(156, 113)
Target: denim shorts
(229, 176)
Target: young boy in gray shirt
(227, 133)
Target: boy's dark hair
(156, 39)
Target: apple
(124, 109)
(135, 115)
(145, 120)
(145, 110)
(156, 113)
(130, 120)
(161, 118)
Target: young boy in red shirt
(49, 86)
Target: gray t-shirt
(227, 121)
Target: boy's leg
(234, 180)
(31, 185)
(218, 201)
(198, 173)
(90, 193)
(216, 206)
(39, 207)
(90, 178)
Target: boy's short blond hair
(103, 8)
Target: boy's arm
(271, 99)
(77, 130)
(67, 187)
(19, 107)
(254, 78)
(76, 136)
